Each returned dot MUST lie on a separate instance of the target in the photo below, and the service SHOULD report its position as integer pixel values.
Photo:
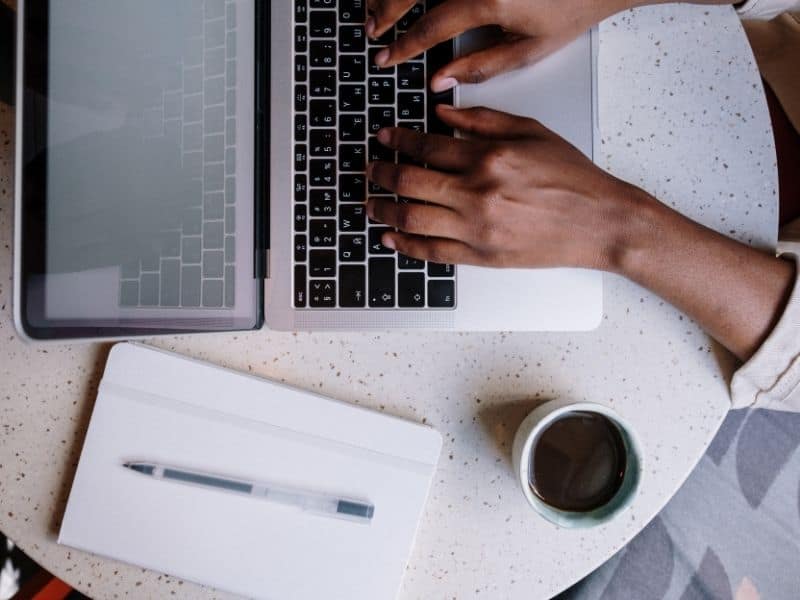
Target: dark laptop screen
(137, 189)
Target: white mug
(525, 439)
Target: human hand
(514, 194)
(530, 30)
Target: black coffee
(578, 462)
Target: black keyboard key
(380, 117)
(323, 173)
(406, 263)
(353, 157)
(411, 76)
(437, 270)
(353, 11)
(352, 38)
(323, 83)
(300, 38)
(300, 248)
(375, 245)
(323, 142)
(300, 188)
(411, 105)
(352, 188)
(377, 151)
(322, 24)
(323, 54)
(380, 90)
(417, 126)
(381, 282)
(386, 39)
(323, 3)
(322, 263)
(352, 128)
(300, 11)
(375, 69)
(300, 68)
(323, 232)
(352, 218)
(352, 98)
(322, 294)
(300, 128)
(441, 293)
(300, 98)
(300, 157)
(411, 17)
(352, 68)
(300, 299)
(352, 248)
(300, 217)
(352, 286)
(322, 113)
(411, 290)
(323, 203)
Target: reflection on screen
(144, 106)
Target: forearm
(734, 292)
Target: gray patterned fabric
(731, 532)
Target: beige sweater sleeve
(771, 378)
(766, 9)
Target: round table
(683, 115)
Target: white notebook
(159, 407)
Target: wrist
(638, 222)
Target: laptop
(198, 165)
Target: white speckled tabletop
(683, 115)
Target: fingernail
(442, 85)
(388, 242)
(370, 26)
(384, 137)
(381, 57)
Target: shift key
(381, 283)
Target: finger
(438, 25)
(416, 182)
(385, 13)
(490, 123)
(485, 64)
(435, 250)
(419, 219)
(439, 151)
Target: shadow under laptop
(81, 426)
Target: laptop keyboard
(342, 99)
(195, 108)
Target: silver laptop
(198, 165)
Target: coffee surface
(578, 462)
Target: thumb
(479, 66)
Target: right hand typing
(530, 30)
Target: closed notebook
(159, 407)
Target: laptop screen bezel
(32, 90)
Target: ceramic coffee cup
(525, 441)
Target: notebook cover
(165, 408)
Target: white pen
(321, 504)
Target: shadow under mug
(524, 442)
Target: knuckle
(494, 160)
(475, 73)
(401, 179)
(407, 219)
(421, 146)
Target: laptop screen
(138, 155)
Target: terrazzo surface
(682, 115)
